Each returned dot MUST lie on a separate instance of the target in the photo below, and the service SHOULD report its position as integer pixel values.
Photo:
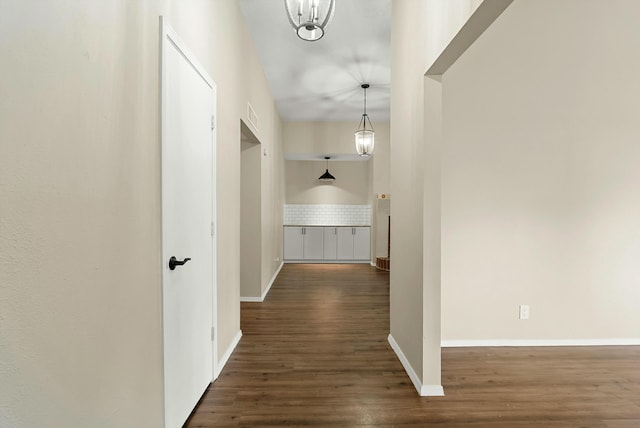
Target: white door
(293, 243)
(188, 290)
(345, 243)
(362, 243)
(313, 243)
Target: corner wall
(426, 27)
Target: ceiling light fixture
(365, 138)
(327, 175)
(309, 17)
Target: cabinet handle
(304, 230)
(353, 230)
(335, 230)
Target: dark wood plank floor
(315, 352)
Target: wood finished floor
(315, 352)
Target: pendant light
(327, 175)
(365, 137)
(309, 17)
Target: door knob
(173, 262)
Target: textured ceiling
(320, 81)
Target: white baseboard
(273, 279)
(432, 391)
(328, 262)
(266, 290)
(227, 354)
(423, 390)
(251, 299)
(551, 342)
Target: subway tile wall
(327, 215)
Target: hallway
(315, 352)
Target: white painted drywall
(351, 185)
(540, 198)
(382, 210)
(80, 257)
(250, 220)
(273, 196)
(336, 138)
(420, 32)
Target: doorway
(250, 216)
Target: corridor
(315, 352)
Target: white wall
(336, 138)
(250, 220)
(80, 190)
(273, 191)
(540, 198)
(382, 210)
(351, 185)
(420, 32)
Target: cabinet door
(293, 243)
(330, 243)
(362, 243)
(313, 243)
(345, 243)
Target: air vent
(252, 116)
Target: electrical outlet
(277, 259)
(524, 312)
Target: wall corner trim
(266, 290)
(227, 354)
(423, 390)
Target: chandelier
(365, 138)
(309, 17)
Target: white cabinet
(362, 243)
(313, 242)
(327, 243)
(293, 243)
(354, 243)
(330, 243)
(303, 243)
(345, 243)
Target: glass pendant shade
(365, 142)
(309, 17)
(365, 137)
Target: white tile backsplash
(327, 215)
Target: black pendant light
(327, 175)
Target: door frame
(168, 35)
